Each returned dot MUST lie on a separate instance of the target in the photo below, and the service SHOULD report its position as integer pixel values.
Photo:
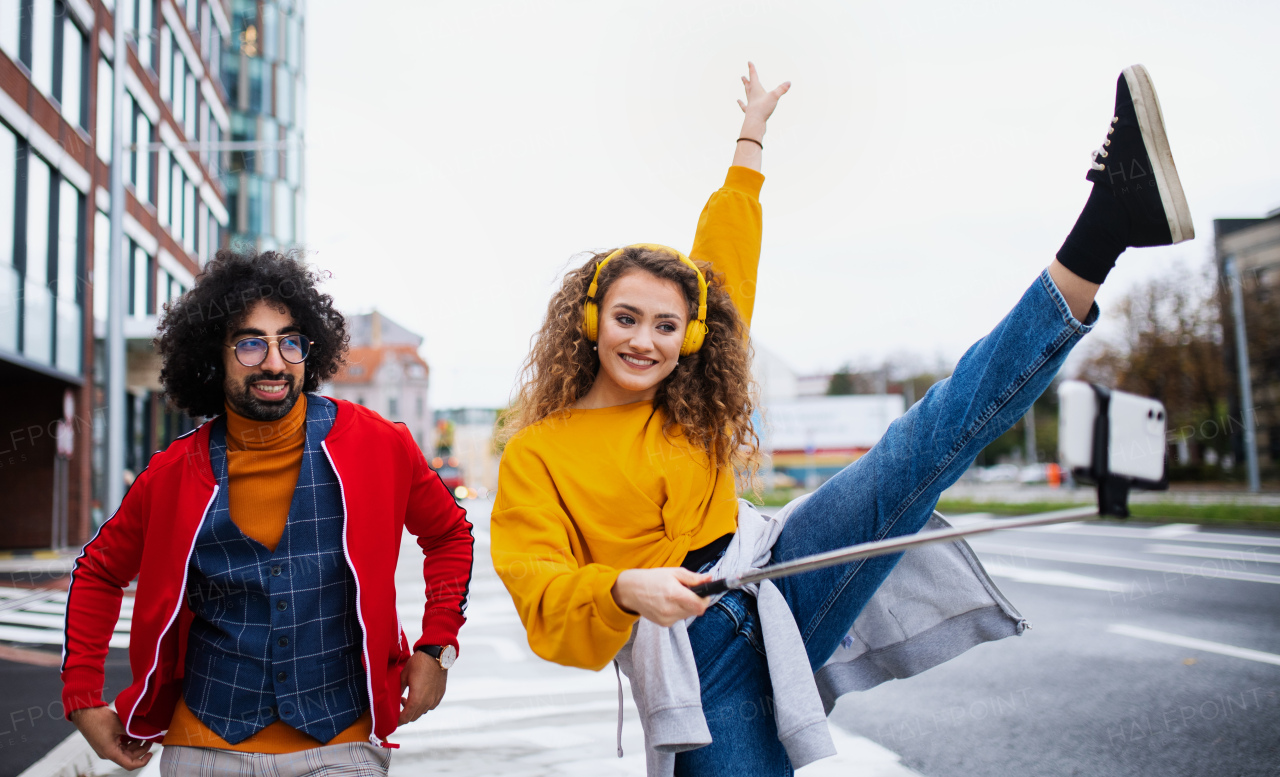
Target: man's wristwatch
(445, 654)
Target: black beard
(249, 406)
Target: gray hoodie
(937, 603)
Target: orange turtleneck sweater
(263, 461)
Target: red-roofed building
(385, 373)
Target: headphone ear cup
(591, 321)
(694, 334)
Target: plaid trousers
(355, 759)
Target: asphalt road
(1095, 687)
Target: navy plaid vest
(275, 635)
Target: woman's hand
(760, 101)
(758, 108)
(662, 595)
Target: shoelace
(1101, 152)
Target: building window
(103, 141)
(163, 166)
(419, 406)
(178, 93)
(141, 279)
(68, 321)
(141, 156)
(144, 27)
(189, 112)
(176, 179)
(8, 212)
(10, 24)
(70, 87)
(37, 300)
(166, 63)
(393, 408)
(101, 263)
(37, 50)
(188, 217)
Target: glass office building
(262, 72)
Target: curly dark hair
(193, 328)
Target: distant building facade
(56, 87)
(1255, 245)
(385, 373)
(471, 445)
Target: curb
(71, 758)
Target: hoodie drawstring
(618, 672)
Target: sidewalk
(508, 712)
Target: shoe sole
(1151, 121)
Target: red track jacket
(386, 487)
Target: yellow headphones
(693, 334)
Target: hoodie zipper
(364, 633)
(186, 568)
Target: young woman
(617, 485)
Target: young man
(264, 544)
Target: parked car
(1034, 473)
(999, 473)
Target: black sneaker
(1136, 164)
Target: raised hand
(758, 107)
(760, 101)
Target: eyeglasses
(252, 351)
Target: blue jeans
(889, 492)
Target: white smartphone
(1136, 432)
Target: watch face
(448, 656)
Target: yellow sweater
(586, 495)
(263, 461)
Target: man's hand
(102, 729)
(662, 595)
(425, 679)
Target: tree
(1169, 347)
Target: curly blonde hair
(710, 397)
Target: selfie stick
(1090, 458)
(884, 547)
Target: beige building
(385, 373)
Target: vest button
(282, 676)
(283, 642)
(286, 710)
(275, 571)
(282, 605)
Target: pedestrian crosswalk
(35, 617)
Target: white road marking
(1054, 577)
(1093, 559)
(1121, 532)
(48, 636)
(1195, 644)
(1173, 530)
(1242, 556)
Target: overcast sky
(925, 166)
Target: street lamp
(1246, 378)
